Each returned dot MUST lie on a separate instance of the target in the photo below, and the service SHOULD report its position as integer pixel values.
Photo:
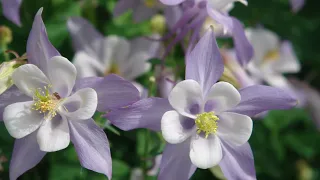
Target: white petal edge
(205, 152)
(185, 94)
(224, 95)
(222, 4)
(53, 135)
(172, 129)
(20, 120)
(82, 105)
(117, 50)
(28, 78)
(234, 128)
(62, 74)
(135, 66)
(87, 66)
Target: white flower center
(114, 69)
(207, 123)
(271, 55)
(46, 103)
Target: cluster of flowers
(205, 122)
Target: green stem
(146, 150)
(3, 49)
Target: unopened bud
(5, 35)
(304, 169)
(217, 172)
(6, 71)
(158, 24)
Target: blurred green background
(286, 144)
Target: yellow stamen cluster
(207, 123)
(45, 102)
(271, 56)
(114, 69)
(150, 3)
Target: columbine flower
(215, 135)
(99, 56)
(271, 59)
(195, 17)
(11, 10)
(47, 108)
(142, 9)
(297, 5)
(233, 72)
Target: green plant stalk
(147, 133)
(3, 48)
(146, 151)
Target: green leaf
(155, 61)
(155, 144)
(63, 171)
(57, 23)
(306, 144)
(120, 170)
(277, 120)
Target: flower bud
(217, 172)
(304, 170)
(6, 71)
(5, 35)
(158, 24)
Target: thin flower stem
(146, 148)
(3, 49)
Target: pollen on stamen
(45, 102)
(271, 56)
(207, 123)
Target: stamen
(114, 69)
(45, 102)
(271, 56)
(207, 122)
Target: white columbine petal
(263, 41)
(117, 51)
(205, 152)
(222, 4)
(81, 105)
(20, 120)
(277, 80)
(53, 135)
(28, 78)
(135, 66)
(234, 128)
(185, 94)
(87, 66)
(224, 95)
(172, 128)
(62, 74)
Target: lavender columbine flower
(217, 111)
(99, 56)
(296, 5)
(142, 9)
(48, 108)
(271, 59)
(194, 17)
(11, 10)
(234, 71)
